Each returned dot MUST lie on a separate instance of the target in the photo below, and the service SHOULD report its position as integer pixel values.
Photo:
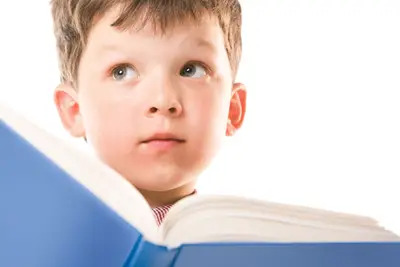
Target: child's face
(136, 86)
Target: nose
(174, 109)
(164, 100)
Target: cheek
(105, 131)
(107, 123)
(209, 117)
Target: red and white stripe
(160, 212)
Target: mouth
(157, 144)
(163, 139)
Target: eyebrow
(205, 43)
(109, 47)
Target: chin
(159, 182)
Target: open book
(47, 183)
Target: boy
(150, 85)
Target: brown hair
(73, 20)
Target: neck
(162, 198)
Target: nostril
(153, 110)
(172, 110)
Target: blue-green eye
(193, 70)
(124, 72)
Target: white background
(323, 121)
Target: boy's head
(150, 84)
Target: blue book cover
(59, 207)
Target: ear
(237, 108)
(66, 100)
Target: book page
(236, 219)
(102, 181)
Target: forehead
(204, 31)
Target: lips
(161, 143)
(160, 137)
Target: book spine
(134, 253)
(145, 253)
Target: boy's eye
(193, 70)
(124, 72)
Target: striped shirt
(160, 212)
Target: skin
(137, 83)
